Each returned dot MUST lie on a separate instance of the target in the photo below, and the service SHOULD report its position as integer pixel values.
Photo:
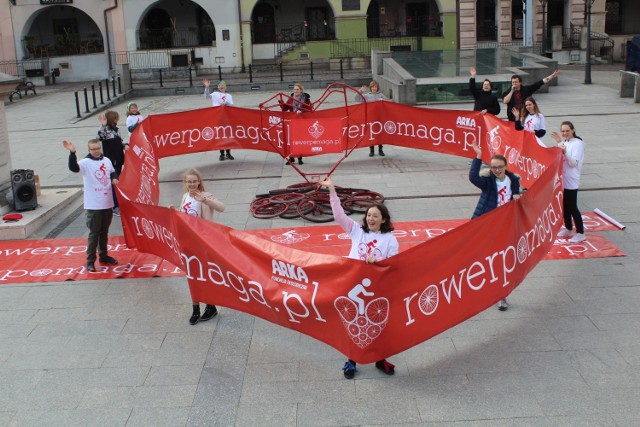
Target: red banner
(418, 294)
(316, 136)
(31, 261)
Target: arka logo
(467, 122)
(274, 120)
(289, 271)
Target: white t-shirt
(96, 176)
(132, 120)
(382, 245)
(190, 206)
(504, 190)
(534, 122)
(219, 98)
(572, 163)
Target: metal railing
(253, 74)
(362, 47)
(602, 46)
(26, 67)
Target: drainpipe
(241, 37)
(106, 30)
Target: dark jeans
(98, 222)
(570, 210)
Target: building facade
(85, 39)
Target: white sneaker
(503, 305)
(577, 238)
(565, 233)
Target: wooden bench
(24, 86)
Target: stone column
(7, 85)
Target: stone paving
(121, 352)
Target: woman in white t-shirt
(572, 159)
(371, 241)
(532, 119)
(197, 202)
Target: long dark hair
(386, 226)
(568, 123)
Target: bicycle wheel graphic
(377, 311)
(373, 331)
(522, 250)
(428, 301)
(348, 309)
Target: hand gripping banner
(410, 297)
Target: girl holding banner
(371, 241)
(197, 202)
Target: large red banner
(56, 260)
(418, 294)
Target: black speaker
(23, 187)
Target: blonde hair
(194, 172)
(299, 85)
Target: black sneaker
(386, 367)
(209, 313)
(380, 152)
(300, 162)
(195, 316)
(222, 157)
(349, 369)
(372, 153)
(91, 267)
(108, 260)
(230, 157)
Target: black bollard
(341, 71)
(86, 101)
(93, 95)
(190, 78)
(106, 86)
(100, 87)
(119, 85)
(250, 74)
(160, 70)
(311, 66)
(219, 73)
(77, 104)
(281, 75)
(113, 85)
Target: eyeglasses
(95, 149)
(192, 182)
(497, 168)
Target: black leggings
(570, 210)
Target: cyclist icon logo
(316, 130)
(363, 322)
(366, 249)
(290, 237)
(101, 175)
(189, 210)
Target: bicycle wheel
(287, 198)
(291, 212)
(302, 187)
(270, 210)
(371, 195)
(357, 205)
(315, 211)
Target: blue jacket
(489, 197)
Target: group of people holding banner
(498, 185)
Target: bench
(24, 86)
